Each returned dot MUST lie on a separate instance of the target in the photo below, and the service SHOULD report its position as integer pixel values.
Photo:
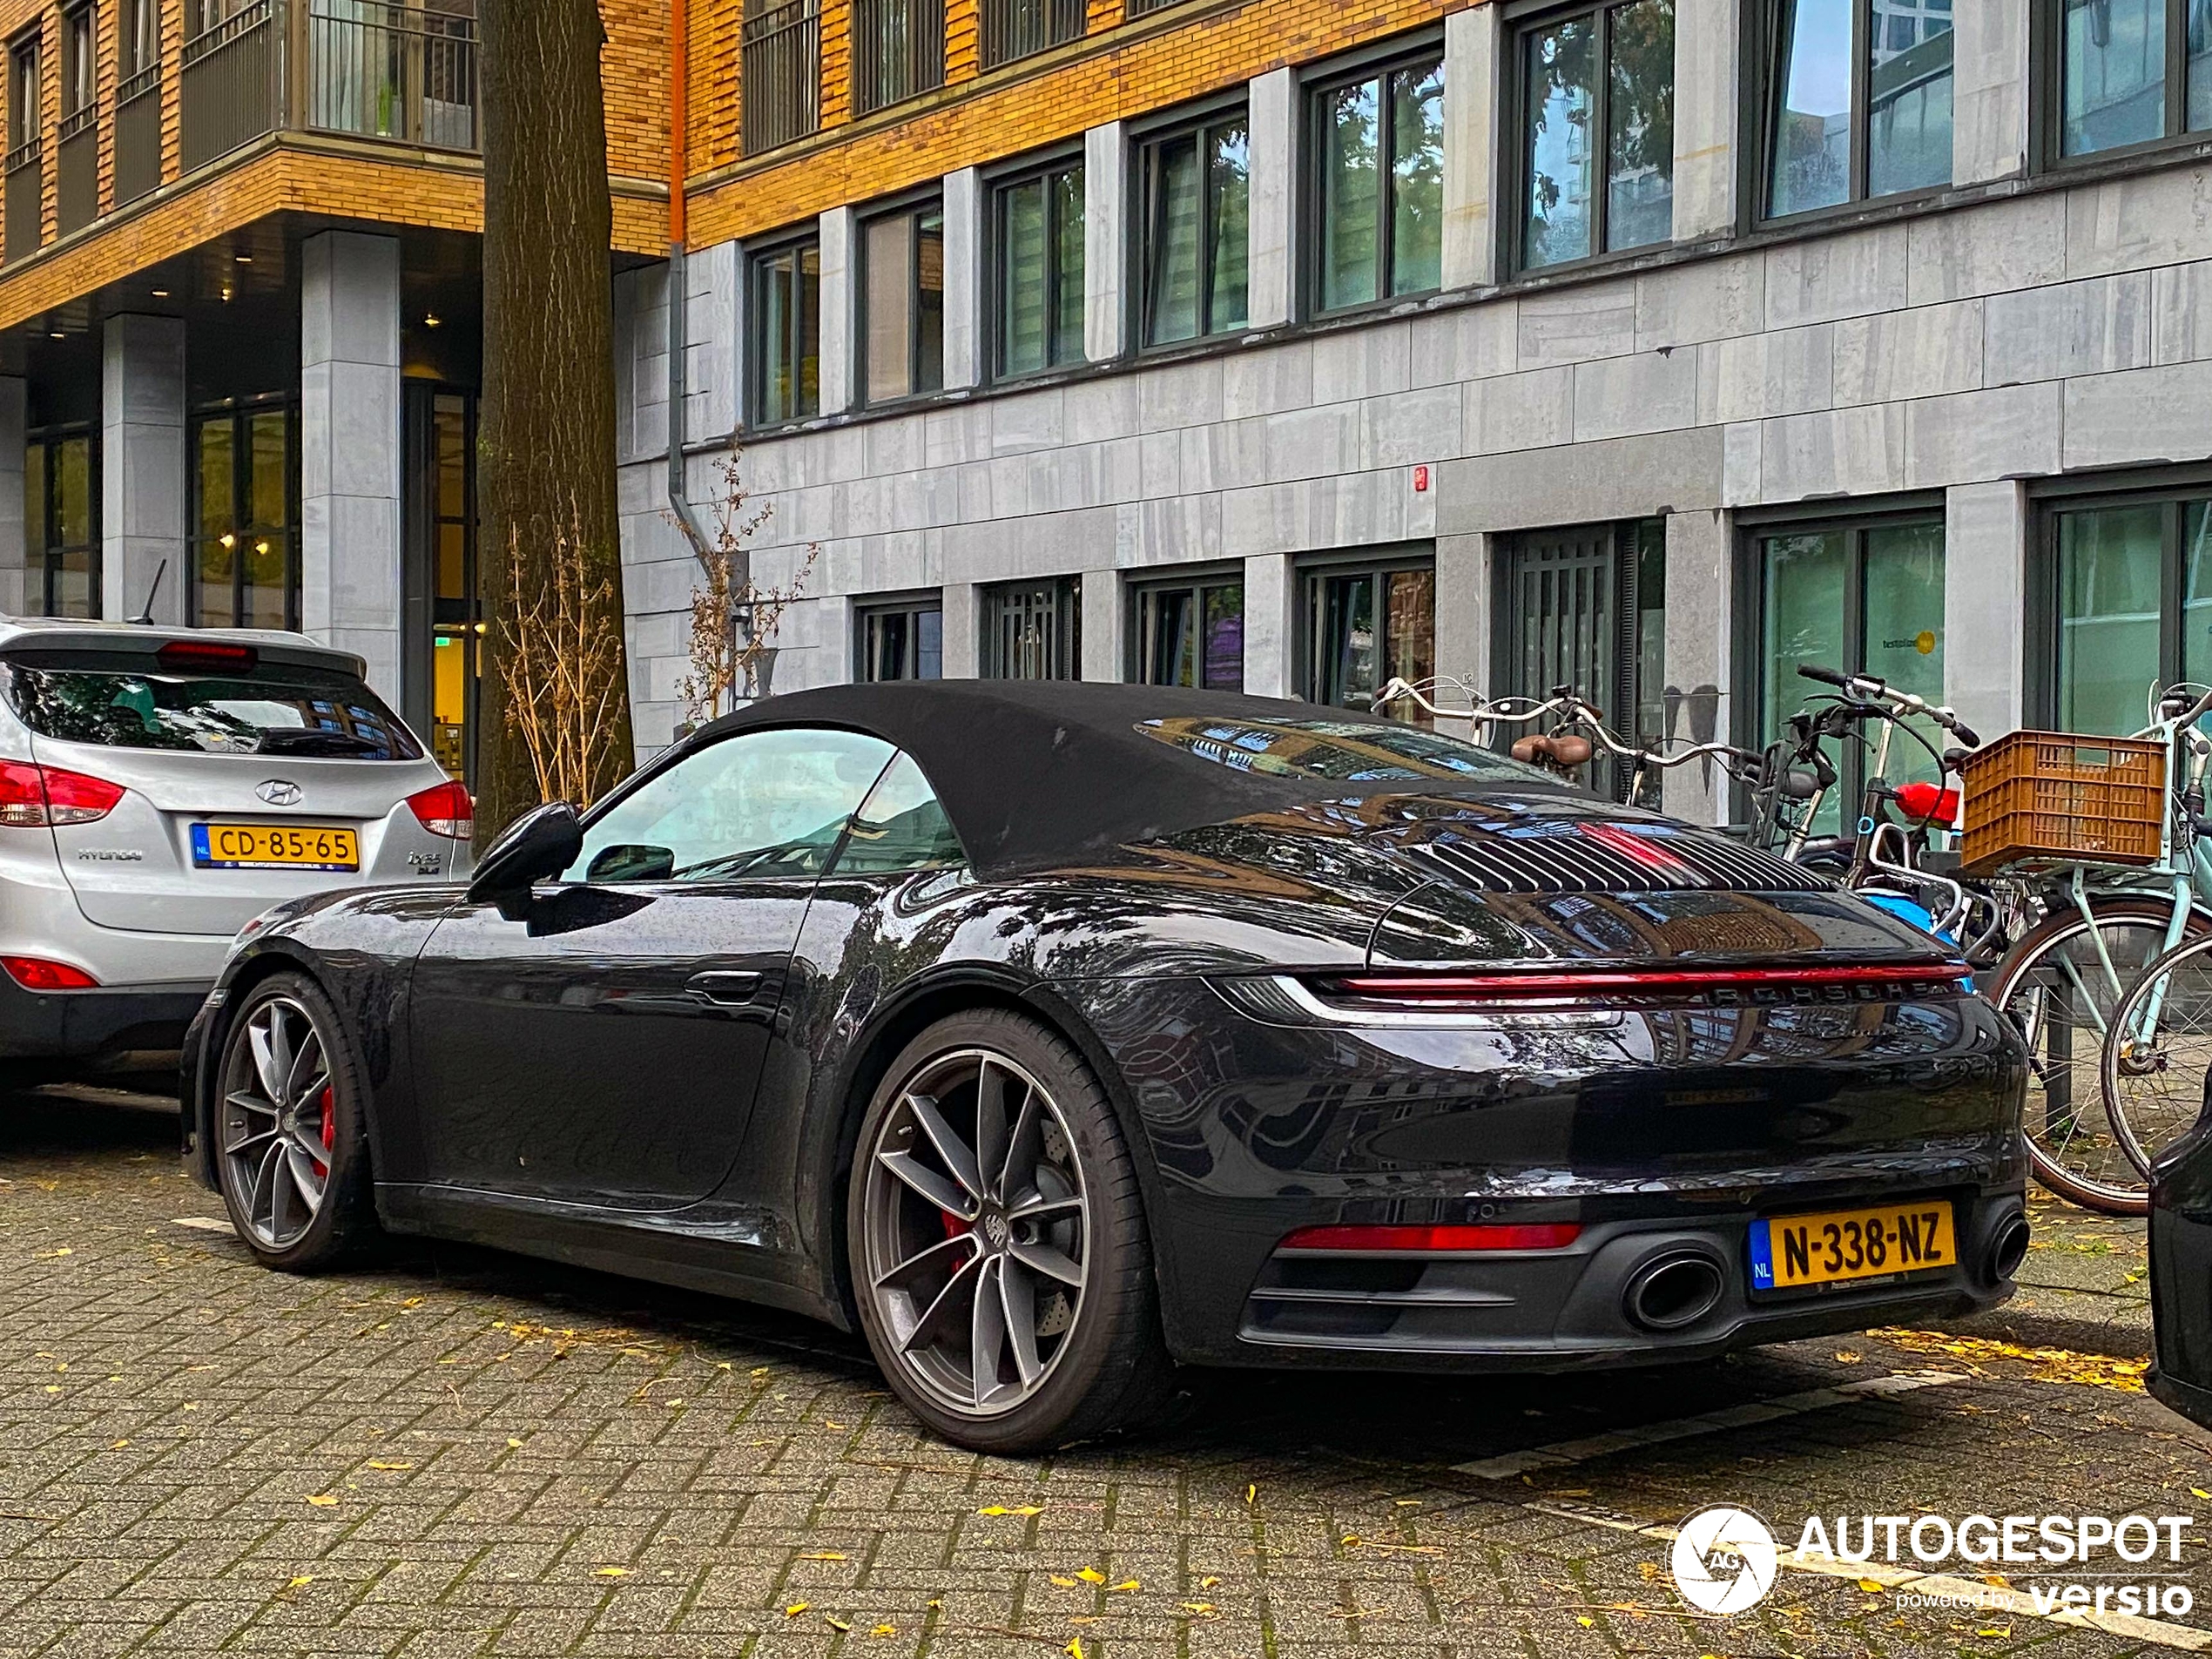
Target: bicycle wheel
(2157, 1058)
(2056, 986)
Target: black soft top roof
(1039, 773)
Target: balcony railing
(26, 180)
(898, 51)
(138, 134)
(402, 70)
(1014, 28)
(392, 71)
(782, 73)
(77, 170)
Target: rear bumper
(74, 1025)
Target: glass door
(245, 565)
(443, 647)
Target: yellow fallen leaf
(2199, 1491)
(827, 1424)
(1846, 1356)
(836, 1624)
(1018, 1509)
(1207, 1583)
(1870, 1586)
(1996, 1630)
(610, 1572)
(513, 1445)
(1126, 1584)
(885, 1631)
(823, 1556)
(1197, 1607)
(304, 1578)
(1075, 1648)
(1584, 1622)
(387, 1465)
(53, 1388)
(323, 1501)
(119, 1445)
(1251, 1492)
(1090, 1575)
(1063, 1580)
(1998, 1580)
(794, 1609)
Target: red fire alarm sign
(1421, 480)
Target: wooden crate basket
(2061, 797)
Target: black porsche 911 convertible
(1056, 1034)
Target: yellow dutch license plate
(1794, 1252)
(275, 846)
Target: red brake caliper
(329, 1125)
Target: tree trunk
(547, 430)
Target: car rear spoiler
(38, 645)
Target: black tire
(2110, 1186)
(1112, 1369)
(343, 1226)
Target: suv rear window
(125, 701)
(1353, 751)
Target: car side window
(757, 804)
(900, 826)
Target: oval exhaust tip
(1673, 1290)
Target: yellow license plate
(278, 846)
(1790, 1252)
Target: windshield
(1352, 751)
(271, 709)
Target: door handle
(723, 986)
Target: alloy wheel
(975, 1231)
(280, 1121)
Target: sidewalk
(2085, 1285)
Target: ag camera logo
(1724, 1560)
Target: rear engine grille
(1573, 855)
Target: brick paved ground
(463, 1453)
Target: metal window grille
(1014, 28)
(898, 51)
(782, 73)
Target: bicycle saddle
(1565, 751)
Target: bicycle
(2067, 979)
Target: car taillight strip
(1506, 987)
(1437, 1240)
(33, 797)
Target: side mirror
(542, 842)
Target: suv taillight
(39, 797)
(445, 809)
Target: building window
(1033, 630)
(788, 333)
(1366, 625)
(1379, 149)
(1039, 228)
(1597, 91)
(902, 299)
(24, 227)
(898, 51)
(1865, 597)
(1014, 28)
(1196, 187)
(2133, 588)
(139, 42)
(1859, 100)
(455, 611)
(246, 569)
(782, 74)
(1587, 607)
(1191, 632)
(2131, 72)
(902, 642)
(62, 492)
(80, 61)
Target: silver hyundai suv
(158, 790)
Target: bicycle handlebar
(1564, 701)
(1869, 688)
